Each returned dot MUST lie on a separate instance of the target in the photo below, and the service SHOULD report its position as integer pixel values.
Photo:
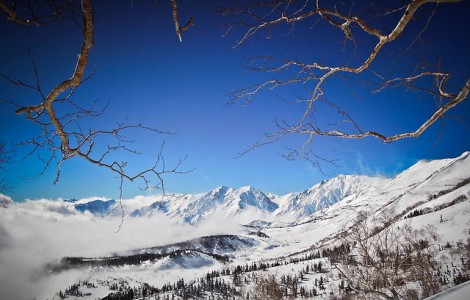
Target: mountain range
(282, 236)
(293, 207)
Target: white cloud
(5, 200)
(37, 232)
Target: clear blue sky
(149, 77)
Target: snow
(189, 261)
(325, 194)
(195, 208)
(459, 292)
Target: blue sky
(149, 77)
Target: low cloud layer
(38, 232)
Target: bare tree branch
(64, 134)
(381, 258)
(179, 29)
(35, 13)
(6, 156)
(318, 74)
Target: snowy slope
(460, 292)
(425, 185)
(325, 194)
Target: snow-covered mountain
(328, 192)
(195, 208)
(231, 202)
(294, 207)
(96, 207)
(282, 236)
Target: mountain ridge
(258, 205)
